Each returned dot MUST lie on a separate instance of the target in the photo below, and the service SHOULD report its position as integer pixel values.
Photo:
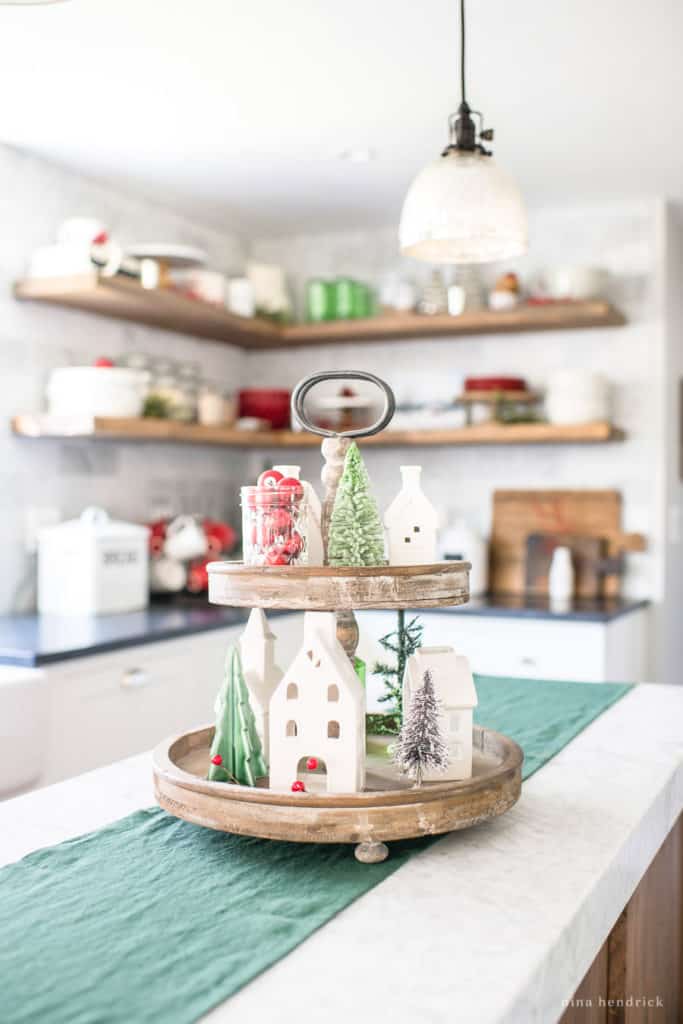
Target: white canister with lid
(93, 565)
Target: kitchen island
(497, 924)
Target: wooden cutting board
(518, 514)
(589, 559)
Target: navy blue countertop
(44, 639)
(577, 610)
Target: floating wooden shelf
(125, 299)
(43, 426)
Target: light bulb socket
(463, 133)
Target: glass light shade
(463, 209)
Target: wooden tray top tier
(328, 588)
(389, 808)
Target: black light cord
(462, 49)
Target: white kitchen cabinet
(109, 706)
(533, 648)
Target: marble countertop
(34, 640)
(495, 924)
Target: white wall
(127, 478)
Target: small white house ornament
(261, 674)
(411, 523)
(454, 687)
(318, 713)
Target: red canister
(270, 404)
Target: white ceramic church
(261, 674)
(318, 710)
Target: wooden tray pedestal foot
(371, 853)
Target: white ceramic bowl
(97, 391)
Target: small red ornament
(293, 545)
(298, 787)
(101, 238)
(292, 486)
(104, 361)
(280, 520)
(216, 759)
(269, 478)
(312, 764)
(277, 556)
(198, 577)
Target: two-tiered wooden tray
(390, 807)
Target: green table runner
(153, 919)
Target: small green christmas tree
(356, 535)
(236, 754)
(399, 645)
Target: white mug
(572, 282)
(185, 539)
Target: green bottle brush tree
(356, 535)
(236, 754)
(399, 645)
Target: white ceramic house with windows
(318, 711)
(261, 674)
(411, 523)
(454, 687)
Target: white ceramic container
(574, 282)
(576, 396)
(97, 391)
(93, 565)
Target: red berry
(292, 486)
(101, 238)
(269, 478)
(104, 361)
(277, 556)
(312, 764)
(298, 787)
(216, 759)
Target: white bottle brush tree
(420, 745)
(356, 535)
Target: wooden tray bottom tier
(390, 807)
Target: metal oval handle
(305, 385)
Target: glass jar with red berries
(274, 522)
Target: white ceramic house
(313, 517)
(454, 687)
(411, 523)
(318, 710)
(261, 674)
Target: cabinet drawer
(535, 649)
(111, 706)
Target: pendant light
(463, 208)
